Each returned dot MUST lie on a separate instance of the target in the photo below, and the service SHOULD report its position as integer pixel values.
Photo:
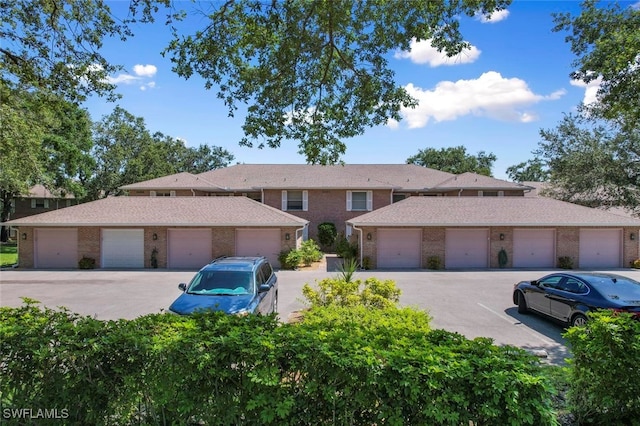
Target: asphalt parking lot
(473, 303)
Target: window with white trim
(162, 193)
(359, 201)
(490, 193)
(39, 203)
(295, 200)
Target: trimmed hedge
(356, 365)
(604, 386)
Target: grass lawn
(8, 254)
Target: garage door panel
(466, 248)
(600, 248)
(399, 248)
(56, 248)
(259, 242)
(122, 248)
(534, 248)
(189, 248)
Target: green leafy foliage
(565, 262)
(336, 291)
(347, 268)
(290, 259)
(314, 71)
(310, 252)
(454, 160)
(341, 365)
(434, 262)
(327, 234)
(606, 353)
(605, 37)
(607, 156)
(345, 248)
(533, 170)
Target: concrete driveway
(473, 303)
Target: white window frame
(369, 195)
(305, 201)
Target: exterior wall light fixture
(155, 236)
(287, 236)
(369, 236)
(24, 236)
(632, 236)
(501, 237)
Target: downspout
(193, 193)
(301, 229)
(460, 192)
(391, 200)
(360, 241)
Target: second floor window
(359, 200)
(295, 200)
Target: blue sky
(494, 98)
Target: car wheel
(522, 303)
(578, 320)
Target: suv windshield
(221, 282)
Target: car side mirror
(182, 286)
(263, 288)
(535, 283)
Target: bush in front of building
(340, 365)
(604, 386)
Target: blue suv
(235, 285)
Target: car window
(550, 282)
(221, 282)
(572, 285)
(266, 271)
(617, 288)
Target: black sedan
(567, 297)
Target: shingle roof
(165, 211)
(489, 211)
(305, 176)
(177, 181)
(476, 181)
(39, 191)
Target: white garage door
(466, 248)
(534, 248)
(56, 248)
(399, 248)
(600, 248)
(122, 248)
(189, 248)
(259, 242)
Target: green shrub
(341, 365)
(290, 259)
(345, 248)
(366, 263)
(335, 291)
(87, 263)
(604, 387)
(434, 262)
(327, 234)
(635, 264)
(347, 268)
(565, 262)
(309, 252)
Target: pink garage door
(466, 248)
(399, 248)
(189, 248)
(600, 248)
(56, 248)
(259, 242)
(534, 248)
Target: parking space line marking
(510, 321)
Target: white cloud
(421, 52)
(122, 79)
(145, 70)
(149, 85)
(491, 95)
(590, 90)
(496, 16)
